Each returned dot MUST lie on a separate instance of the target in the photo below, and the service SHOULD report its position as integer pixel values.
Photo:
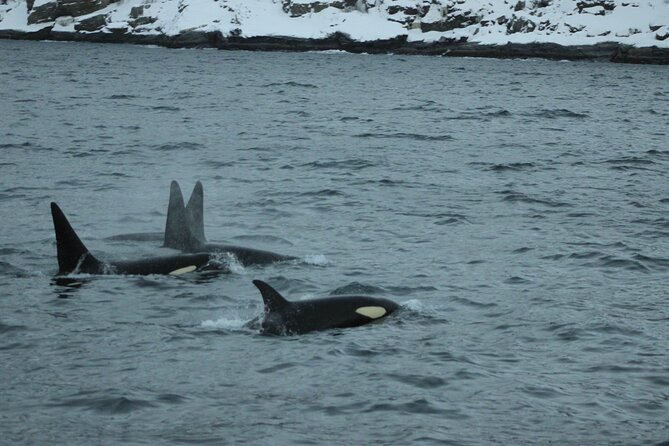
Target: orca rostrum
(283, 317)
(74, 257)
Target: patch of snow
(479, 21)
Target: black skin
(73, 256)
(162, 265)
(184, 230)
(283, 317)
(245, 256)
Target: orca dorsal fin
(195, 213)
(72, 253)
(273, 300)
(177, 231)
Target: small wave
(542, 392)
(413, 136)
(290, 84)
(7, 269)
(109, 405)
(518, 197)
(322, 193)
(419, 406)
(178, 146)
(517, 280)
(407, 290)
(277, 367)
(658, 153)
(169, 108)
(629, 163)
(121, 96)
(171, 398)
(263, 238)
(349, 164)
(656, 263)
(5, 328)
(559, 113)
(473, 303)
(420, 381)
(24, 145)
(511, 166)
(137, 237)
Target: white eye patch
(372, 312)
(184, 270)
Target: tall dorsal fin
(72, 254)
(273, 300)
(177, 231)
(195, 213)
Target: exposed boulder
(299, 8)
(520, 25)
(81, 7)
(92, 23)
(44, 13)
(608, 5)
(455, 20)
(48, 12)
(142, 21)
(136, 11)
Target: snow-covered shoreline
(618, 30)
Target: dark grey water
(518, 210)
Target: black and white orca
(74, 257)
(283, 317)
(184, 230)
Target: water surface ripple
(518, 210)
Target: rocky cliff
(621, 30)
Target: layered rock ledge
(616, 30)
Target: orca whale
(184, 230)
(73, 256)
(283, 317)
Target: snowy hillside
(411, 23)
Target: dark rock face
(608, 5)
(450, 22)
(300, 9)
(81, 7)
(48, 12)
(141, 21)
(91, 24)
(520, 25)
(45, 13)
(136, 11)
(407, 14)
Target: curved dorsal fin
(195, 213)
(273, 300)
(72, 253)
(177, 232)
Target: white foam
(416, 305)
(227, 323)
(316, 259)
